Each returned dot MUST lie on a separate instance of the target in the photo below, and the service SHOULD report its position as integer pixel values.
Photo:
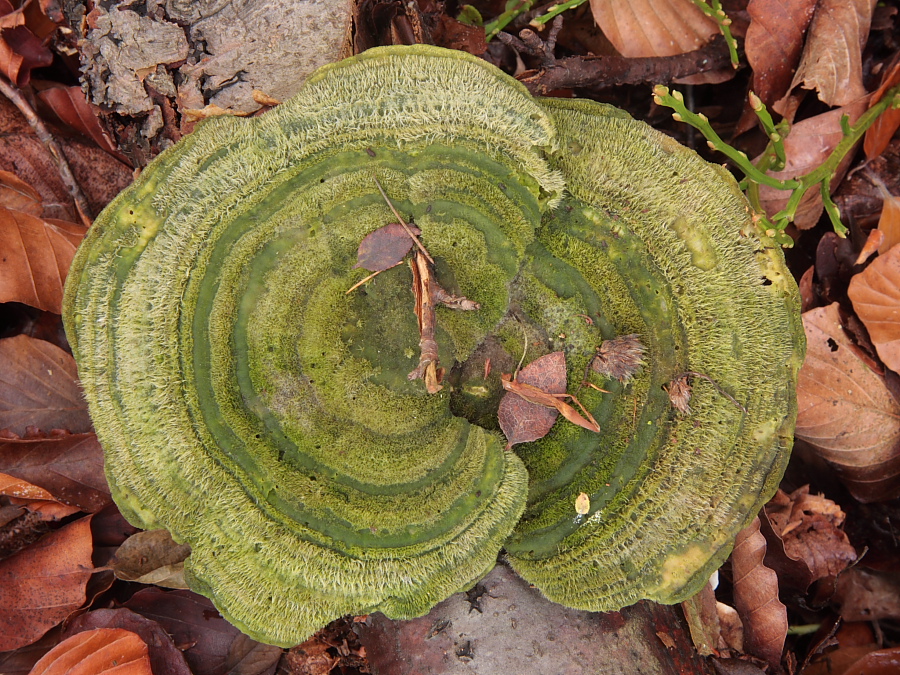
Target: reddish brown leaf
(809, 529)
(807, 146)
(21, 661)
(37, 255)
(165, 657)
(703, 620)
(152, 558)
(44, 583)
(880, 662)
(99, 175)
(653, 27)
(18, 195)
(756, 597)
(845, 410)
(774, 43)
(73, 110)
(879, 135)
(522, 421)
(875, 293)
(103, 651)
(195, 626)
(20, 49)
(868, 595)
(832, 57)
(33, 498)
(39, 387)
(70, 467)
(385, 247)
(874, 242)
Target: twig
(403, 222)
(597, 72)
(370, 277)
(40, 129)
(428, 368)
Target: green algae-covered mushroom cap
(252, 407)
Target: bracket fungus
(251, 406)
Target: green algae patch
(251, 406)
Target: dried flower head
(619, 358)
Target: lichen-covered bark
(251, 406)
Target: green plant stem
(555, 10)
(491, 28)
(713, 9)
(773, 157)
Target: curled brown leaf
(875, 293)
(756, 597)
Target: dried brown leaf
(832, 57)
(385, 247)
(522, 421)
(100, 175)
(703, 620)
(195, 626)
(18, 195)
(165, 657)
(809, 529)
(875, 293)
(810, 142)
(874, 242)
(679, 391)
(889, 220)
(246, 656)
(619, 357)
(152, 558)
(868, 595)
(34, 499)
(653, 27)
(879, 135)
(39, 388)
(70, 467)
(756, 597)
(845, 410)
(880, 662)
(103, 651)
(72, 109)
(44, 583)
(21, 50)
(37, 255)
(774, 43)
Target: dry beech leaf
(37, 255)
(703, 620)
(18, 195)
(879, 135)
(165, 657)
(39, 387)
(809, 144)
(774, 43)
(756, 597)
(874, 242)
(845, 410)
(97, 652)
(641, 28)
(34, 498)
(889, 220)
(522, 421)
(72, 109)
(70, 467)
(22, 44)
(880, 662)
(875, 293)
(152, 558)
(385, 247)
(809, 529)
(832, 57)
(43, 583)
(868, 595)
(194, 623)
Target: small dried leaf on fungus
(845, 410)
(522, 421)
(385, 247)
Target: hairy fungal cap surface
(261, 414)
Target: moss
(251, 406)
